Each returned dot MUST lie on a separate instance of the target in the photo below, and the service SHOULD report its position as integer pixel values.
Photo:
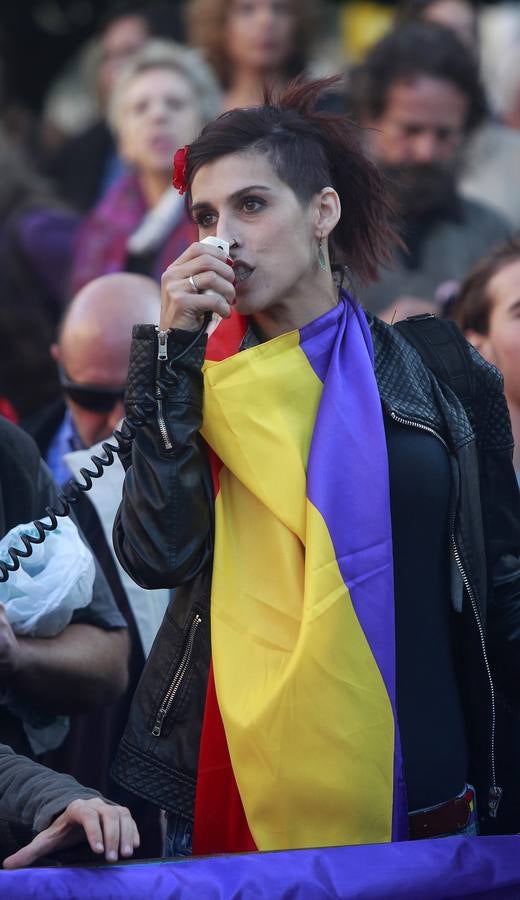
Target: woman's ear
(328, 211)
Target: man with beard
(418, 95)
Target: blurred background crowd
(95, 98)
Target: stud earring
(321, 255)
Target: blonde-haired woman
(251, 42)
(160, 101)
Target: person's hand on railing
(108, 828)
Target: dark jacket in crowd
(36, 241)
(26, 488)
(88, 750)
(440, 249)
(163, 536)
(79, 168)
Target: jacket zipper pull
(162, 337)
(494, 798)
(157, 728)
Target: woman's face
(159, 113)
(272, 235)
(501, 345)
(118, 44)
(260, 34)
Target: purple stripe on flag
(463, 868)
(347, 481)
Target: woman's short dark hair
(310, 150)
(472, 306)
(411, 50)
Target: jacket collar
(409, 390)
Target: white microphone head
(224, 246)
(217, 242)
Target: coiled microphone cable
(123, 438)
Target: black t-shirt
(429, 705)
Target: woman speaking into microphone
(345, 603)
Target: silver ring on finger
(194, 284)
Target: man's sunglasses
(94, 397)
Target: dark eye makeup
(250, 204)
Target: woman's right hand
(210, 269)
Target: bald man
(93, 347)
(92, 358)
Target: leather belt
(446, 818)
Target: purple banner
(450, 868)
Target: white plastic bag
(55, 580)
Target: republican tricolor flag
(299, 744)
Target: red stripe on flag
(226, 339)
(215, 465)
(220, 822)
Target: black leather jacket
(163, 537)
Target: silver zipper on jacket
(162, 354)
(177, 679)
(420, 425)
(495, 792)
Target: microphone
(215, 319)
(217, 242)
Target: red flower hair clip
(180, 167)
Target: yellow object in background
(362, 23)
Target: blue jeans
(178, 836)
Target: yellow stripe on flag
(307, 717)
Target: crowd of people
(288, 612)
